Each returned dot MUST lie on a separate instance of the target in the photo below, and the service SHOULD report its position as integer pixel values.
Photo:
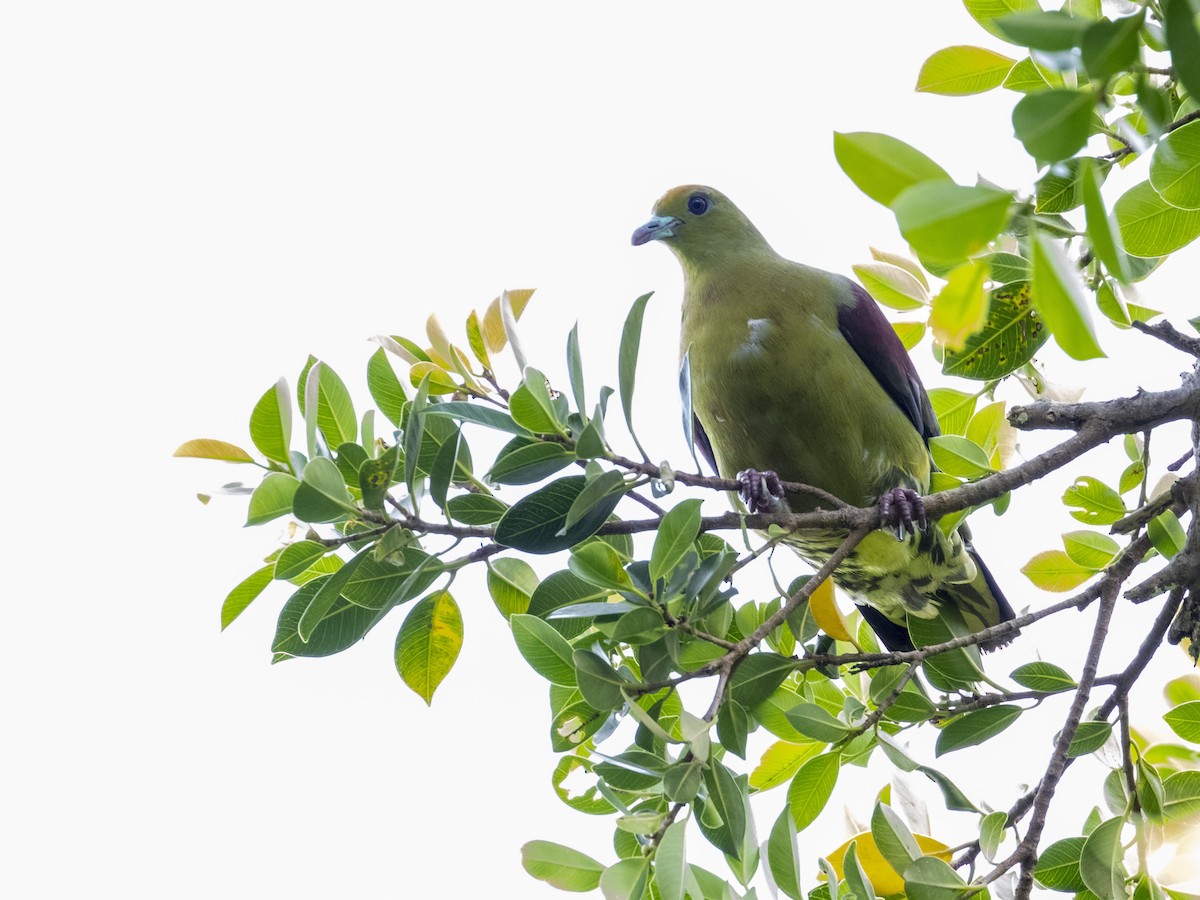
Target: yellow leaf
(780, 762)
(208, 448)
(825, 610)
(909, 265)
(475, 340)
(494, 337)
(440, 381)
(960, 308)
(437, 337)
(883, 877)
(1053, 570)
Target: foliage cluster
(395, 504)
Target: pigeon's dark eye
(697, 204)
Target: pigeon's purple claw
(761, 491)
(903, 510)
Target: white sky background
(196, 197)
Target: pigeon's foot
(761, 491)
(903, 510)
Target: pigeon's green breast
(776, 386)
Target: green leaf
(1058, 865)
(812, 787)
(626, 880)
(1096, 502)
(1008, 268)
(956, 455)
(1133, 475)
(342, 625)
(1090, 548)
(1053, 570)
(560, 590)
(963, 70)
(991, 833)
(531, 407)
(733, 727)
(891, 285)
(976, 727)
(985, 12)
(328, 596)
(468, 411)
(910, 333)
(381, 584)
(271, 423)
(895, 842)
(1053, 124)
(781, 761)
(783, 856)
(375, 477)
(335, 411)
(1010, 337)
(475, 509)
(1183, 40)
(1028, 76)
(244, 594)
(598, 681)
(955, 668)
(1182, 795)
(511, 582)
(444, 468)
(297, 557)
(1090, 736)
(856, 878)
(1059, 300)
(272, 498)
(386, 389)
(1102, 228)
(1100, 862)
(1051, 31)
(428, 643)
(207, 448)
(881, 166)
(561, 867)
(1043, 676)
(929, 878)
(953, 409)
(1150, 226)
(627, 357)
(681, 781)
(1175, 167)
(1166, 534)
(1185, 721)
(414, 432)
(574, 724)
(1111, 47)
(544, 649)
(727, 797)
(598, 491)
(675, 537)
(960, 309)
(670, 863)
(597, 563)
(815, 722)
(1058, 190)
(757, 677)
(639, 626)
(526, 461)
(322, 495)
(534, 522)
(948, 222)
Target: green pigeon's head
(701, 225)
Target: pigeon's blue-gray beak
(656, 229)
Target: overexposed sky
(195, 197)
